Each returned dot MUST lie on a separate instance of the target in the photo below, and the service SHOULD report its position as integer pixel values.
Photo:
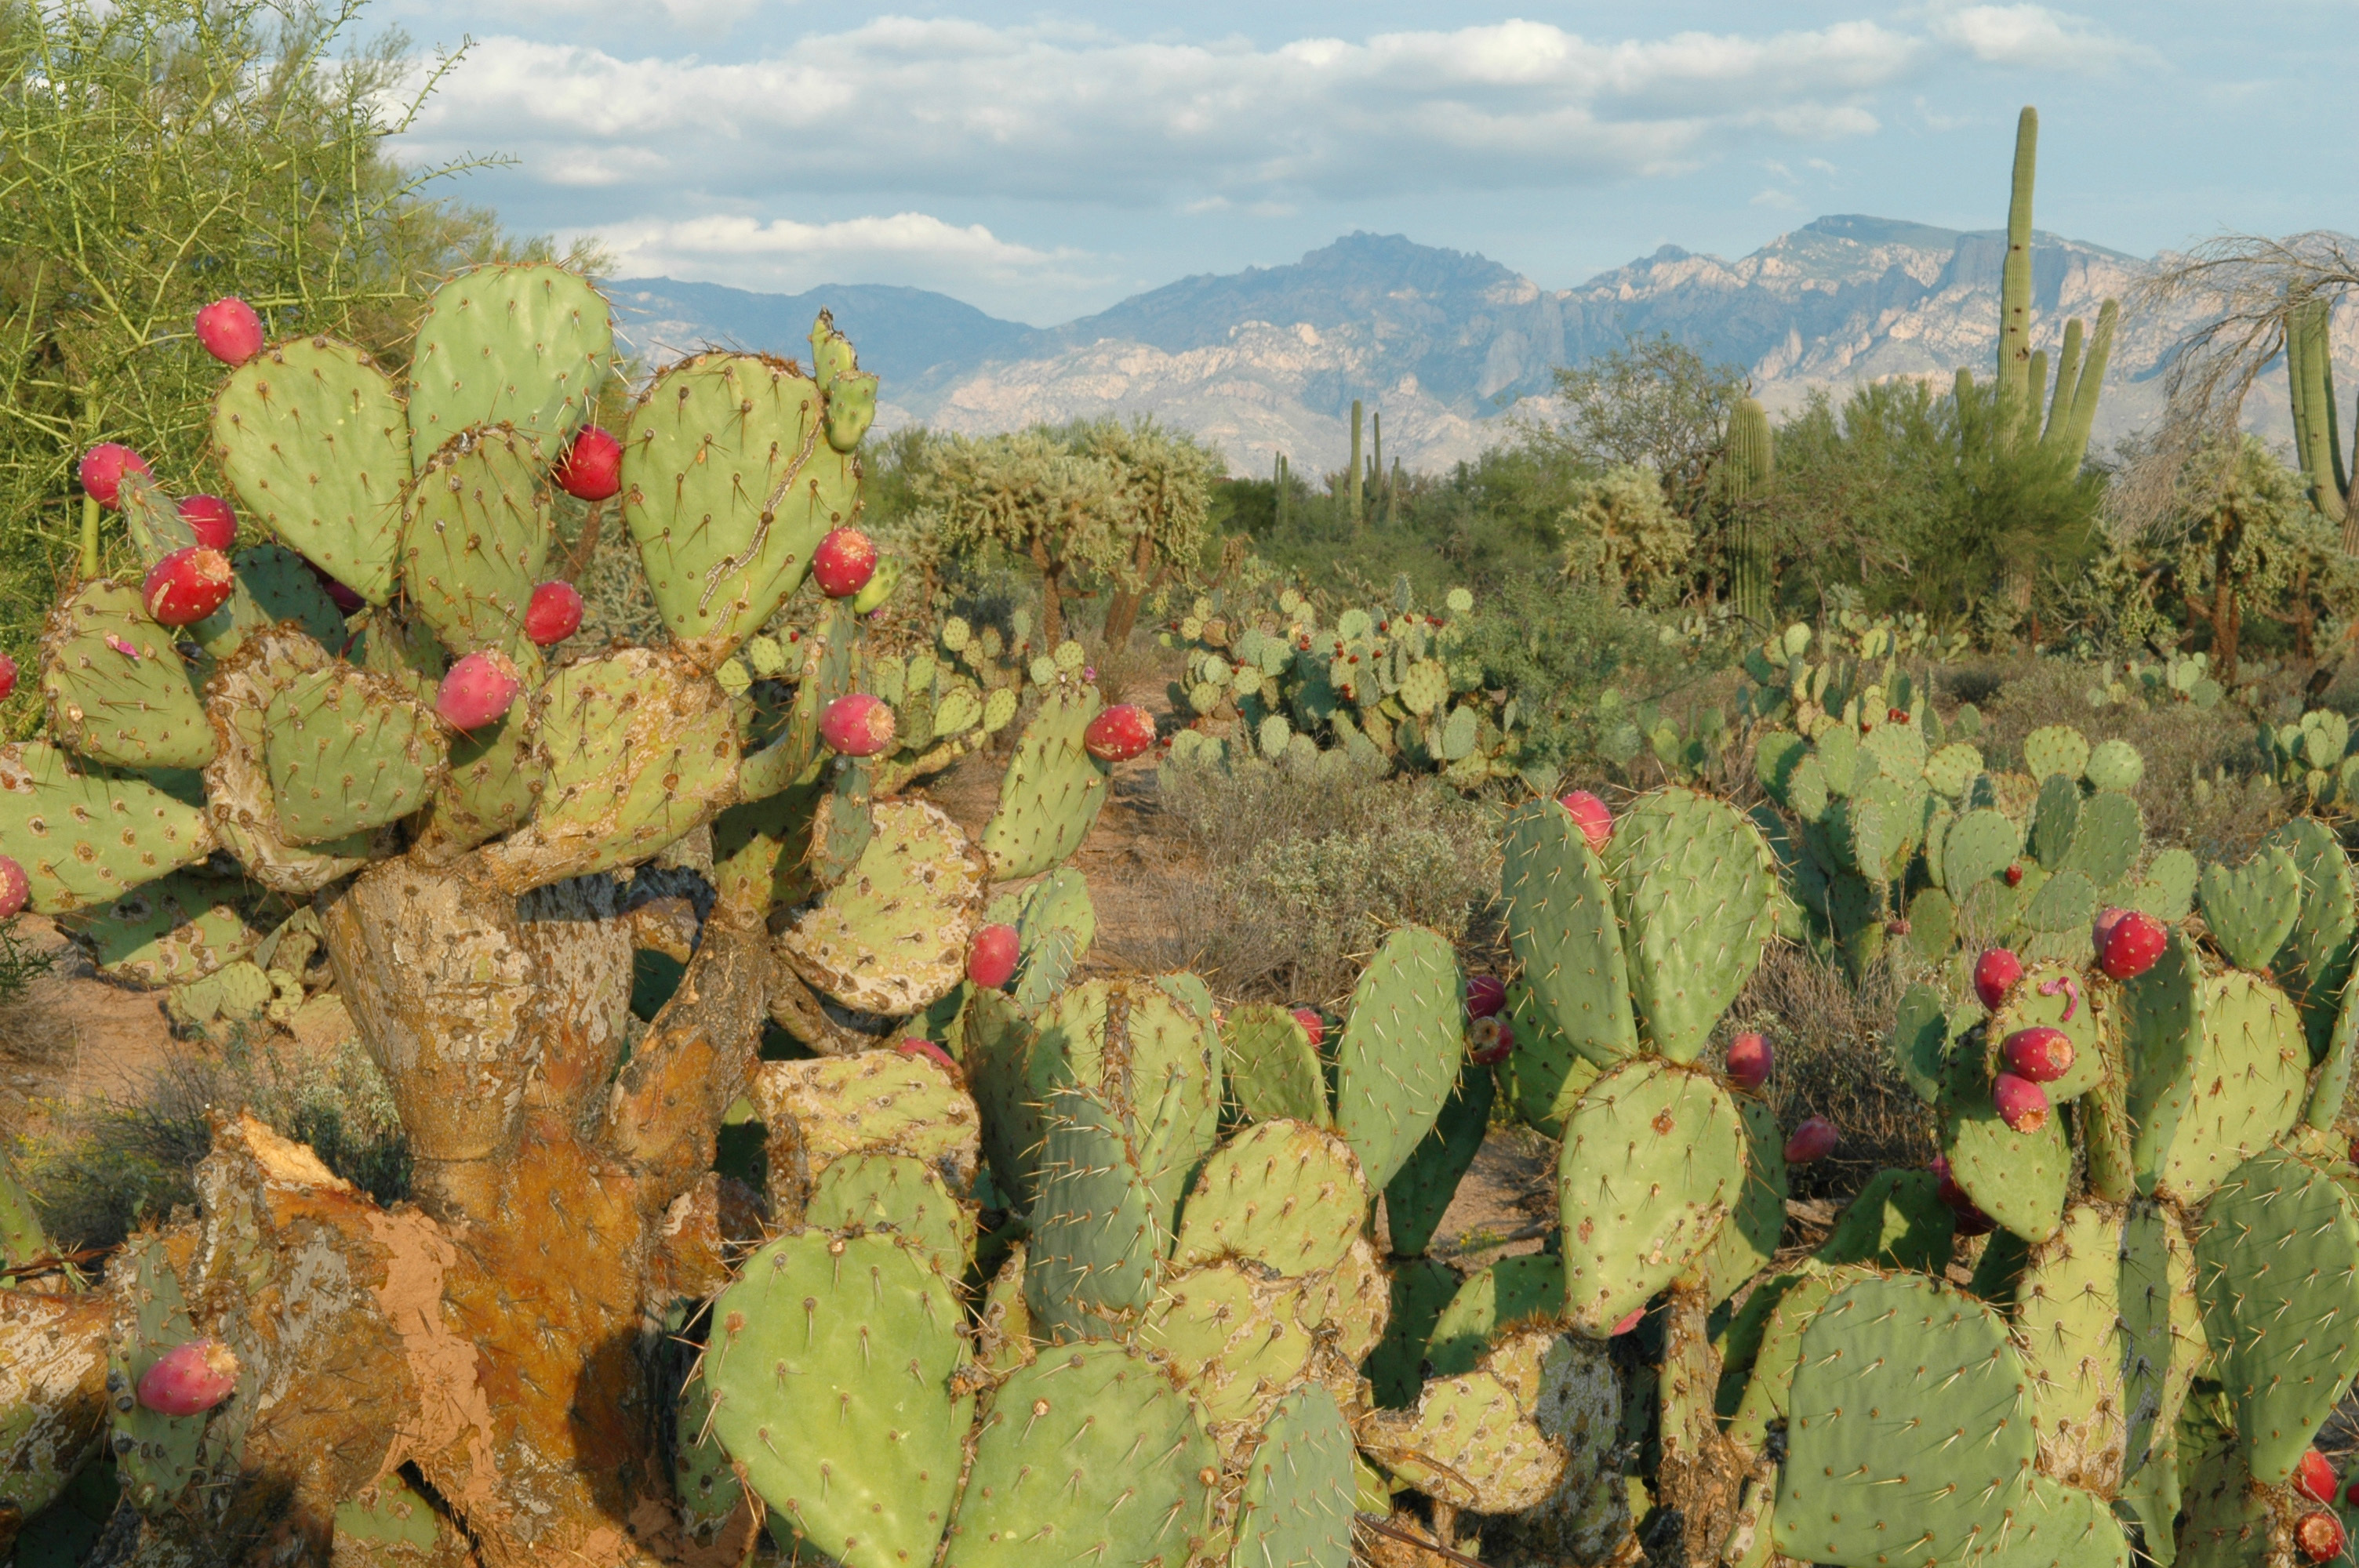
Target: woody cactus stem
(1751, 461)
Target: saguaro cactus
(1750, 462)
(2080, 375)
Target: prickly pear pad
(729, 485)
(1296, 1510)
(2162, 1329)
(1750, 1235)
(525, 346)
(1693, 883)
(1471, 1441)
(2248, 1088)
(177, 928)
(158, 1455)
(1097, 1236)
(2276, 1267)
(1051, 794)
(1512, 1293)
(2250, 909)
(1282, 1193)
(495, 775)
(639, 747)
(1653, 1160)
(1420, 1192)
(2317, 957)
(1561, 926)
(475, 535)
(347, 752)
(1400, 1050)
(1089, 1454)
(273, 585)
(830, 1362)
(2016, 1178)
(872, 1190)
(239, 796)
(1910, 1441)
(315, 441)
(1543, 1077)
(1229, 1333)
(2069, 1328)
(2033, 1005)
(84, 840)
(1418, 1290)
(1273, 1072)
(117, 688)
(891, 937)
(1783, 1312)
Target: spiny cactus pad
(2070, 1330)
(891, 937)
(872, 1190)
(1273, 1072)
(347, 752)
(1418, 1290)
(476, 536)
(1561, 926)
(1097, 1234)
(1652, 1163)
(1282, 1193)
(1296, 1509)
(117, 688)
(1512, 1293)
(315, 441)
(1692, 882)
(2277, 1264)
(525, 346)
(1230, 1333)
(177, 928)
(1749, 1236)
(2252, 908)
(2016, 1178)
(2248, 1087)
(855, 1337)
(1052, 792)
(85, 840)
(1420, 1192)
(1400, 1050)
(274, 584)
(2316, 959)
(2162, 1330)
(1471, 1441)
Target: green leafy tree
(1652, 404)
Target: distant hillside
(1441, 342)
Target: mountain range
(1441, 342)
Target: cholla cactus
(215, 798)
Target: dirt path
(74, 1037)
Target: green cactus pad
(1052, 792)
(158, 1456)
(1772, 1323)
(856, 1338)
(274, 585)
(1693, 883)
(1749, 1236)
(2054, 820)
(2033, 1005)
(1910, 1441)
(1896, 749)
(2016, 1178)
(1281, 1194)
(1230, 1333)
(1003, 1325)
(1543, 1077)
(1980, 847)
(2252, 909)
(476, 536)
(1837, 749)
(240, 798)
(1512, 1293)
(526, 346)
(116, 689)
(2162, 1329)
(638, 749)
(2166, 892)
(2058, 750)
(1297, 1506)
(2229, 1522)
(1421, 1289)
(728, 487)
(891, 937)
(1920, 1040)
(1653, 1161)
(819, 1110)
(1089, 1454)
(389, 1513)
(2332, 1084)
(1951, 770)
(315, 442)
(702, 1478)
(1399, 1051)
(347, 752)
(2106, 842)
(1096, 1231)
(2115, 766)
(900, 1192)
(1898, 1221)
(495, 775)
(2070, 1331)
(2063, 906)
(1272, 1070)
(2276, 1265)
(2316, 959)
(2248, 1087)
(1561, 926)
(1471, 1442)
(179, 927)
(84, 839)
(1419, 1193)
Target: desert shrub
(1289, 877)
(1554, 647)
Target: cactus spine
(1751, 460)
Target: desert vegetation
(1700, 989)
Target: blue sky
(1042, 163)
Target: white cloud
(2037, 37)
(966, 110)
(914, 247)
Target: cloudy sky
(1042, 163)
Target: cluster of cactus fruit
(1389, 687)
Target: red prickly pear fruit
(1897, 715)
(1486, 995)
(2015, 876)
(211, 520)
(1749, 1060)
(844, 562)
(2350, 1495)
(2103, 926)
(1995, 973)
(188, 585)
(2022, 1104)
(1121, 733)
(189, 1379)
(230, 330)
(14, 888)
(342, 597)
(1629, 1321)
(103, 468)
(2133, 945)
(8, 676)
(915, 1046)
(553, 615)
(1591, 814)
(856, 726)
(591, 467)
(2314, 1476)
(1490, 1042)
(991, 956)
(2041, 1054)
(1312, 1025)
(2320, 1535)
(1815, 1138)
(479, 689)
